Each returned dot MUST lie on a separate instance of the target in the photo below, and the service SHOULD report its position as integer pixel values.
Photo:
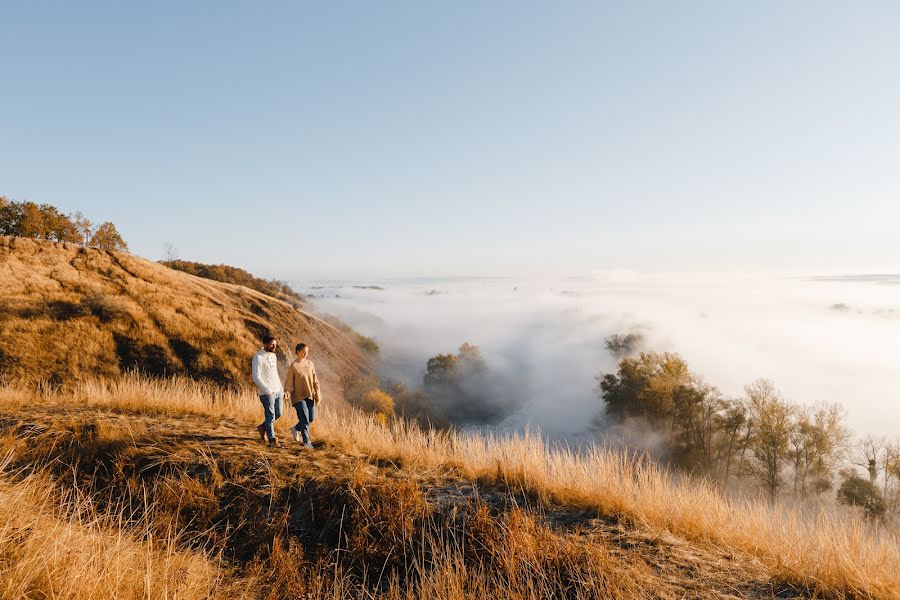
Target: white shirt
(265, 373)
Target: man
(302, 387)
(265, 375)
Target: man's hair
(299, 347)
(268, 338)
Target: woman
(301, 386)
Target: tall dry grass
(827, 553)
(53, 544)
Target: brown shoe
(261, 429)
(274, 443)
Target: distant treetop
(46, 222)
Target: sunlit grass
(826, 552)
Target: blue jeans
(272, 410)
(306, 412)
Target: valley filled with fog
(817, 339)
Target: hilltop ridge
(70, 313)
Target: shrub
(856, 491)
(378, 402)
(367, 344)
(102, 306)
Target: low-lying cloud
(543, 340)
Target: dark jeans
(306, 412)
(271, 410)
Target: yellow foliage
(378, 402)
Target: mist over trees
(759, 439)
(621, 345)
(46, 222)
(460, 384)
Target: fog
(832, 339)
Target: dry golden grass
(55, 545)
(827, 554)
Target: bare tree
(170, 252)
(891, 469)
(85, 228)
(817, 442)
(772, 416)
(869, 451)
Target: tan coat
(302, 382)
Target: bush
(856, 491)
(378, 402)
(102, 306)
(367, 344)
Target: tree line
(236, 275)
(782, 446)
(46, 222)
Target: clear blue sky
(345, 139)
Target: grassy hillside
(69, 313)
(164, 478)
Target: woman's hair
(299, 347)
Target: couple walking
(300, 387)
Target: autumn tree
(46, 222)
(59, 227)
(107, 237)
(705, 431)
(645, 387)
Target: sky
(361, 139)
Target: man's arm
(257, 378)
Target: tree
(170, 252)
(85, 228)
(442, 369)
(868, 452)
(706, 432)
(621, 345)
(645, 387)
(737, 430)
(107, 237)
(10, 217)
(772, 417)
(59, 227)
(892, 475)
(460, 386)
(32, 222)
(829, 444)
(859, 492)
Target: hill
(69, 313)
